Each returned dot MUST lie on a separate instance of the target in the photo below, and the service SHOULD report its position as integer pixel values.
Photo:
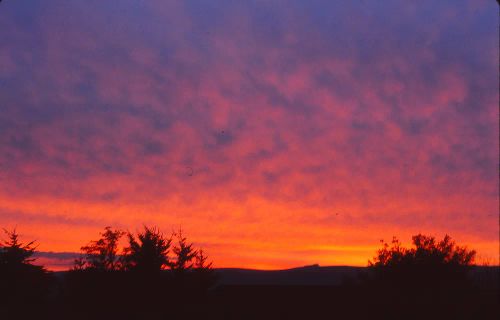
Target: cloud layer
(276, 133)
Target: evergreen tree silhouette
(204, 274)
(15, 253)
(184, 253)
(22, 283)
(148, 252)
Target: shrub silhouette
(22, 283)
(427, 252)
(430, 275)
(436, 264)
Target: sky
(275, 133)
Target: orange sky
(277, 134)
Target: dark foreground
(304, 293)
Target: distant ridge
(306, 275)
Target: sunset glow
(276, 133)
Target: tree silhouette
(204, 274)
(21, 282)
(184, 253)
(15, 253)
(191, 273)
(97, 280)
(101, 254)
(148, 253)
(201, 261)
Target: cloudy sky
(276, 133)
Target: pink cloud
(251, 124)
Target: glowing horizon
(277, 134)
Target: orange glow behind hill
(266, 241)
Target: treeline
(148, 251)
(152, 273)
(165, 277)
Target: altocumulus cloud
(261, 116)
